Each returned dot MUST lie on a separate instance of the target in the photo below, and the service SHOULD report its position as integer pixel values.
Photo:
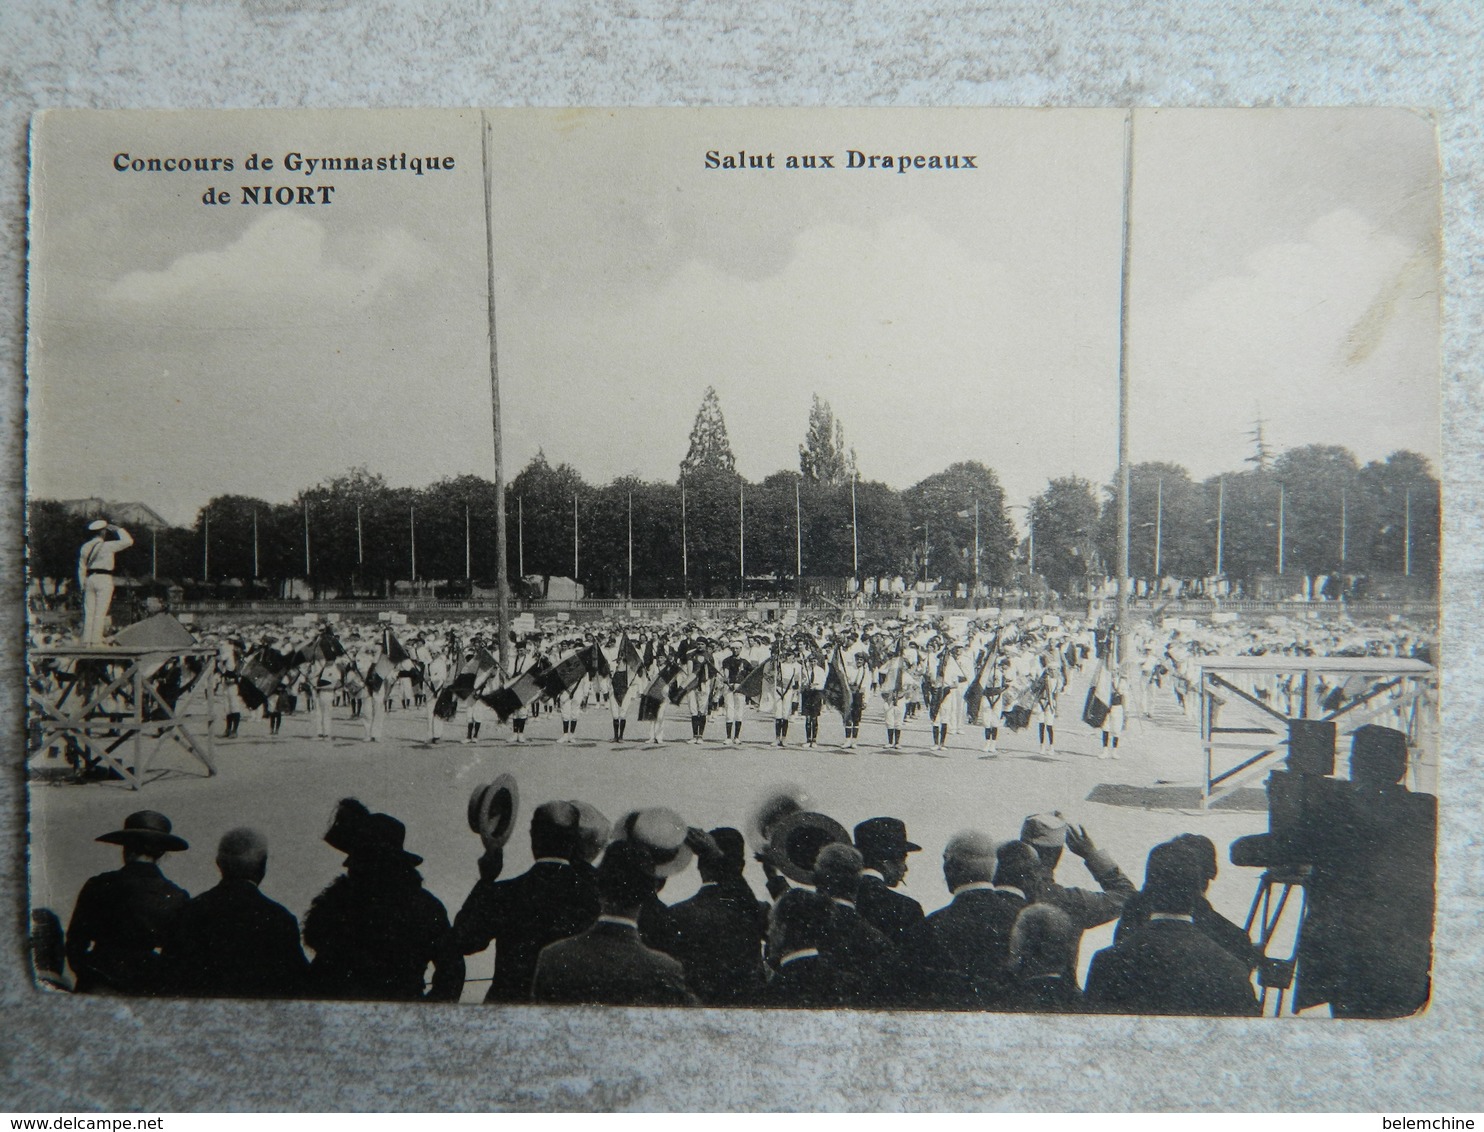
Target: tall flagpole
(1280, 528)
(154, 552)
(631, 546)
(360, 541)
(975, 594)
(1344, 524)
(412, 536)
(520, 534)
(741, 540)
(798, 545)
(684, 549)
(468, 548)
(1407, 546)
(1123, 408)
(1159, 524)
(255, 545)
(574, 536)
(206, 547)
(307, 570)
(502, 547)
(855, 537)
(1220, 520)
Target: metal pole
(1159, 525)
(1123, 407)
(1407, 546)
(1280, 528)
(798, 544)
(520, 534)
(855, 538)
(1344, 526)
(1031, 523)
(741, 539)
(502, 568)
(254, 545)
(206, 546)
(468, 548)
(684, 549)
(574, 536)
(975, 594)
(1220, 519)
(631, 546)
(307, 570)
(360, 544)
(412, 533)
(154, 552)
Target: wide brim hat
(492, 809)
(797, 839)
(662, 833)
(884, 838)
(147, 830)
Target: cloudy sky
(1283, 265)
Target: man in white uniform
(95, 576)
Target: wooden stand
(112, 701)
(1392, 684)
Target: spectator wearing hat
(1047, 834)
(553, 899)
(1043, 956)
(798, 930)
(375, 929)
(1167, 965)
(95, 565)
(123, 918)
(884, 847)
(232, 941)
(608, 962)
(959, 952)
(718, 933)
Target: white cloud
(280, 264)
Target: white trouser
(97, 596)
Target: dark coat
(119, 923)
(233, 942)
(718, 937)
(1366, 946)
(1210, 922)
(608, 963)
(1046, 994)
(960, 951)
(866, 962)
(548, 902)
(1169, 967)
(890, 912)
(374, 931)
(810, 981)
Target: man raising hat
(1047, 834)
(123, 918)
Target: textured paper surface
(76, 1054)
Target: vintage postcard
(911, 559)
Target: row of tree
(1310, 511)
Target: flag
(393, 648)
(597, 663)
(565, 676)
(648, 654)
(257, 681)
(753, 683)
(837, 685)
(628, 655)
(1099, 698)
(517, 694)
